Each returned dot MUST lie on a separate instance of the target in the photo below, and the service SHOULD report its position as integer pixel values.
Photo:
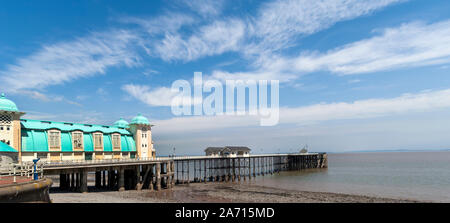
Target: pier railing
(48, 163)
(19, 172)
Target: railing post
(14, 172)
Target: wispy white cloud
(216, 38)
(370, 108)
(170, 22)
(67, 61)
(410, 45)
(353, 81)
(413, 44)
(154, 97)
(205, 7)
(306, 115)
(161, 96)
(48, 97)
(279, 23)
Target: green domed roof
(121, 123)
(140, 120)
(6, 104)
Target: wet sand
(216, 193)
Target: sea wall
(32, 191)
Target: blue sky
(354, 74)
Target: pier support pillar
(62, 181)
(104, 178)
(172, 164)
(77, 181)
(72, 182)
(158, 176)
(83, 182)
(138, 178)
(168, 173)
(121, 183)
(98, 179)
(204, 170)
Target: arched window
(77, 140)
(116, 141)
(54, 139)
(98, 141)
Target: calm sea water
(414, 175)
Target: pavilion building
(22, 140)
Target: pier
(165, 173)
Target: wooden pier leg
(204, 171)
(67, 181)
(161, 177)
(182, 172)
(209, 170)
(178, 172)
(272, 167)
(225, 169)
(249, 169)
(110, 179)
(172, 164)
(188, 172)
(228, 169)
(158, 176)
(104, 178)
(62, 181)
(254, 167)
(77, 181)
(239, 169)
(98, 179)
(195, 171)
(169, 174)
(218, 170)
(233, 177)
(83, 181)
(261, 165)
(121, 183)
(138, 178)
(72, 182)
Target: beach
(217, 193)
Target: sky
(354, 75)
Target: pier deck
(164, 172)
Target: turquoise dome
(6, 104)
(140, 120)
(121, 123)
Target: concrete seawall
(32, 191)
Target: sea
(421, 176)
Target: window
(116, 142)
(54, 140)
(98, 141)
(42, 155)
(5, 119)
(77, 138)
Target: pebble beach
(216, 193)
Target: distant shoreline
(218, 193)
